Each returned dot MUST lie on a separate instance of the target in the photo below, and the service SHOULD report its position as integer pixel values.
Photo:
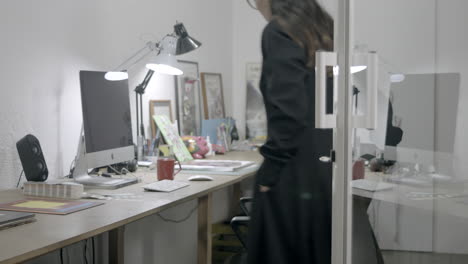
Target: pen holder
(165, 168)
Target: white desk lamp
(163, 61)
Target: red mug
(165, 168)
(358, 170)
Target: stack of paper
(53, 190)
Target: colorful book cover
(172, 138)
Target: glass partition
(409, 143)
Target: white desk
(426, 225)
(52, 232)
(399, 195)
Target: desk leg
(204, 229)
(116, 245)
(236, 195)
(365, 247)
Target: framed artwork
(255, 114)
(159, 107)
(213, 100)
(188, 101)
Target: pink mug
(165, 168)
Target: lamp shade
(165, 62)
(358, 68)
(397, 77)
(116, 75)
(360, 62)
(185, 43)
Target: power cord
(116, 171)
(72, 168)
(122, 172)
(86, 251)
(178, 221)
(19, 180)
(94, 249)
(61, 255)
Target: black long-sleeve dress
(291, 223)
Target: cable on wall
(181, 220)
(21, 174)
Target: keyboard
(371, 186)
(165, 186)
(104, 182)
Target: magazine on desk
(215, 165)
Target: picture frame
(255, 113)
(213, 97)
(159, 107)
(188, 99)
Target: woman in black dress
(291, 216)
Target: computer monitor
(424, 107)
(106, 136)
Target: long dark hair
(307, 23)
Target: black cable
(178, 221)
(72, 168)
(86, 251)
(94, 249)
(21, 174)
(61, 255)
(115, 170)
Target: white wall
(45, 44)
(452, 56)
(247, 29)
(402, 32)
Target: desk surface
(400, 194)
(52, 232)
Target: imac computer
(426, 107)
(106, 136)
(416, 121)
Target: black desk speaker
(32, 159)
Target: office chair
(239, 225)
(238, 222)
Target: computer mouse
(200, 178)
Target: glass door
(401, 166)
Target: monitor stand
(80, 172)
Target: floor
(406, 257)
(226, 246)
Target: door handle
(325, 159)
(322, 60)
(328, 159)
